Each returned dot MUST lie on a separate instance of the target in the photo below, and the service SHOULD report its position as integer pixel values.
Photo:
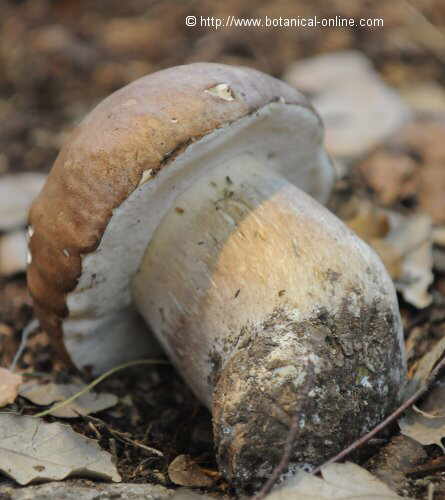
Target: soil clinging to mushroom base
(330, 371)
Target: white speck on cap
(222, 91)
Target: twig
(284, 462)
(402, 408)
(29, 328)
(122, 436)
(280, 468)
(94, 429)
(98, 380)
(433, 465)
(431, 488)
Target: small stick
(94, 429)
(29, 328)
(434, 465)
(98, 380)
(123, 436)
(284, 462)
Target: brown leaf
(431, 194)
(368, 221)
(403, 243)
(411, 237)
(372, 224)
(9, 385)
(395, 460)
(424, 430)
(391, 176)
(426, 424)
(184, 471)
(434, 403)
(424, 368)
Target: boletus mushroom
(189, 204)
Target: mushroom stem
(252, 286)
(221, 258)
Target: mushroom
(187, 204)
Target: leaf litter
(31, 450)
(403, 243)
(184, 471)
(346, 481)
(9, 386)
(425, 422)
(47, 394)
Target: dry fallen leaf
(426, 423)
(186, 494)
(391, 175)
(13, 249)
(403, 243)
(372, 224)
(439, 248)
(31, 449)
(434, 403)
(412, 238)
(47, 394)
(345, 481)
(424, 367)
(425, 138)
(16, 194)
(431, 192)
(367, 220)
(425, 430)
(358, 109)
(425, 97)
(439, 235)
(395, 459)
(184, 471)
(9, 385)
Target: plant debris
(9, 386)
(338, 83)
(184, 471)
(345, 481)
(31, 449)
(47, 394)
(424, 367)
(16, 194)
(424, 429)
(395, 460)
(403, 243)
(426, 422)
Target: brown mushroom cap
(141, 135)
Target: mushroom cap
(120, 172)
